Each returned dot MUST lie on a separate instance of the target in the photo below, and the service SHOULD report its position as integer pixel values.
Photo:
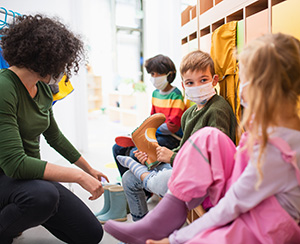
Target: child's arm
(164, 154)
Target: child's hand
(164, 154)
(162, 241)
(141, 156)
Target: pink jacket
(267, 222)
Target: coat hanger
(3, 23)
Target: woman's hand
(97, 174)
(90, 180)
(84, 165)
(59, 173)
(162, 241)
(91, 184)
(164, 154)
(141, 156)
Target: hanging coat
(226, 67)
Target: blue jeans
(134, 188)
(167, 141)
(157, 181)
(29, 203)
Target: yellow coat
(223, 48)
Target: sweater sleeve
(242, 195)
(173, 121)
(13, 159)
(59, 142)
(175, 150)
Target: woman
(39, 50)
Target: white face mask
(54, 81)
(160, 82)
(242, 102)
(200, 94)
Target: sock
(135, 167)
(168, 215)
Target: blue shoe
(105, 208)
(118, 206)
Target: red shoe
(124, 141)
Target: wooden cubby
(217, 24)
(189, 33)
(238, 15)
(193, 36)
(206, 5)
(184, 40)
(285, 17)
(256, 7)
(274, 2)
(205, 31)
(255, 18)
(257, 25)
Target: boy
(166, 99)
(198, 81)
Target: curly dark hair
(42, 45)
(163, 65)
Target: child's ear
(182, 85)
(215, 80)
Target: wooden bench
(195, 214)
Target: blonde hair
(197, 61)
(271, 64)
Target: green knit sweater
(216, 113)
(22, 120)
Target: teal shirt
(216, 113)
(22, 120)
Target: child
(198, 80)
(166, 99)
(262, 200)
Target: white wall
(162, 34)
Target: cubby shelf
(256, 16)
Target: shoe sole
(122, 236)
(119, 220)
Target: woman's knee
(94, 235)
(43, 197)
